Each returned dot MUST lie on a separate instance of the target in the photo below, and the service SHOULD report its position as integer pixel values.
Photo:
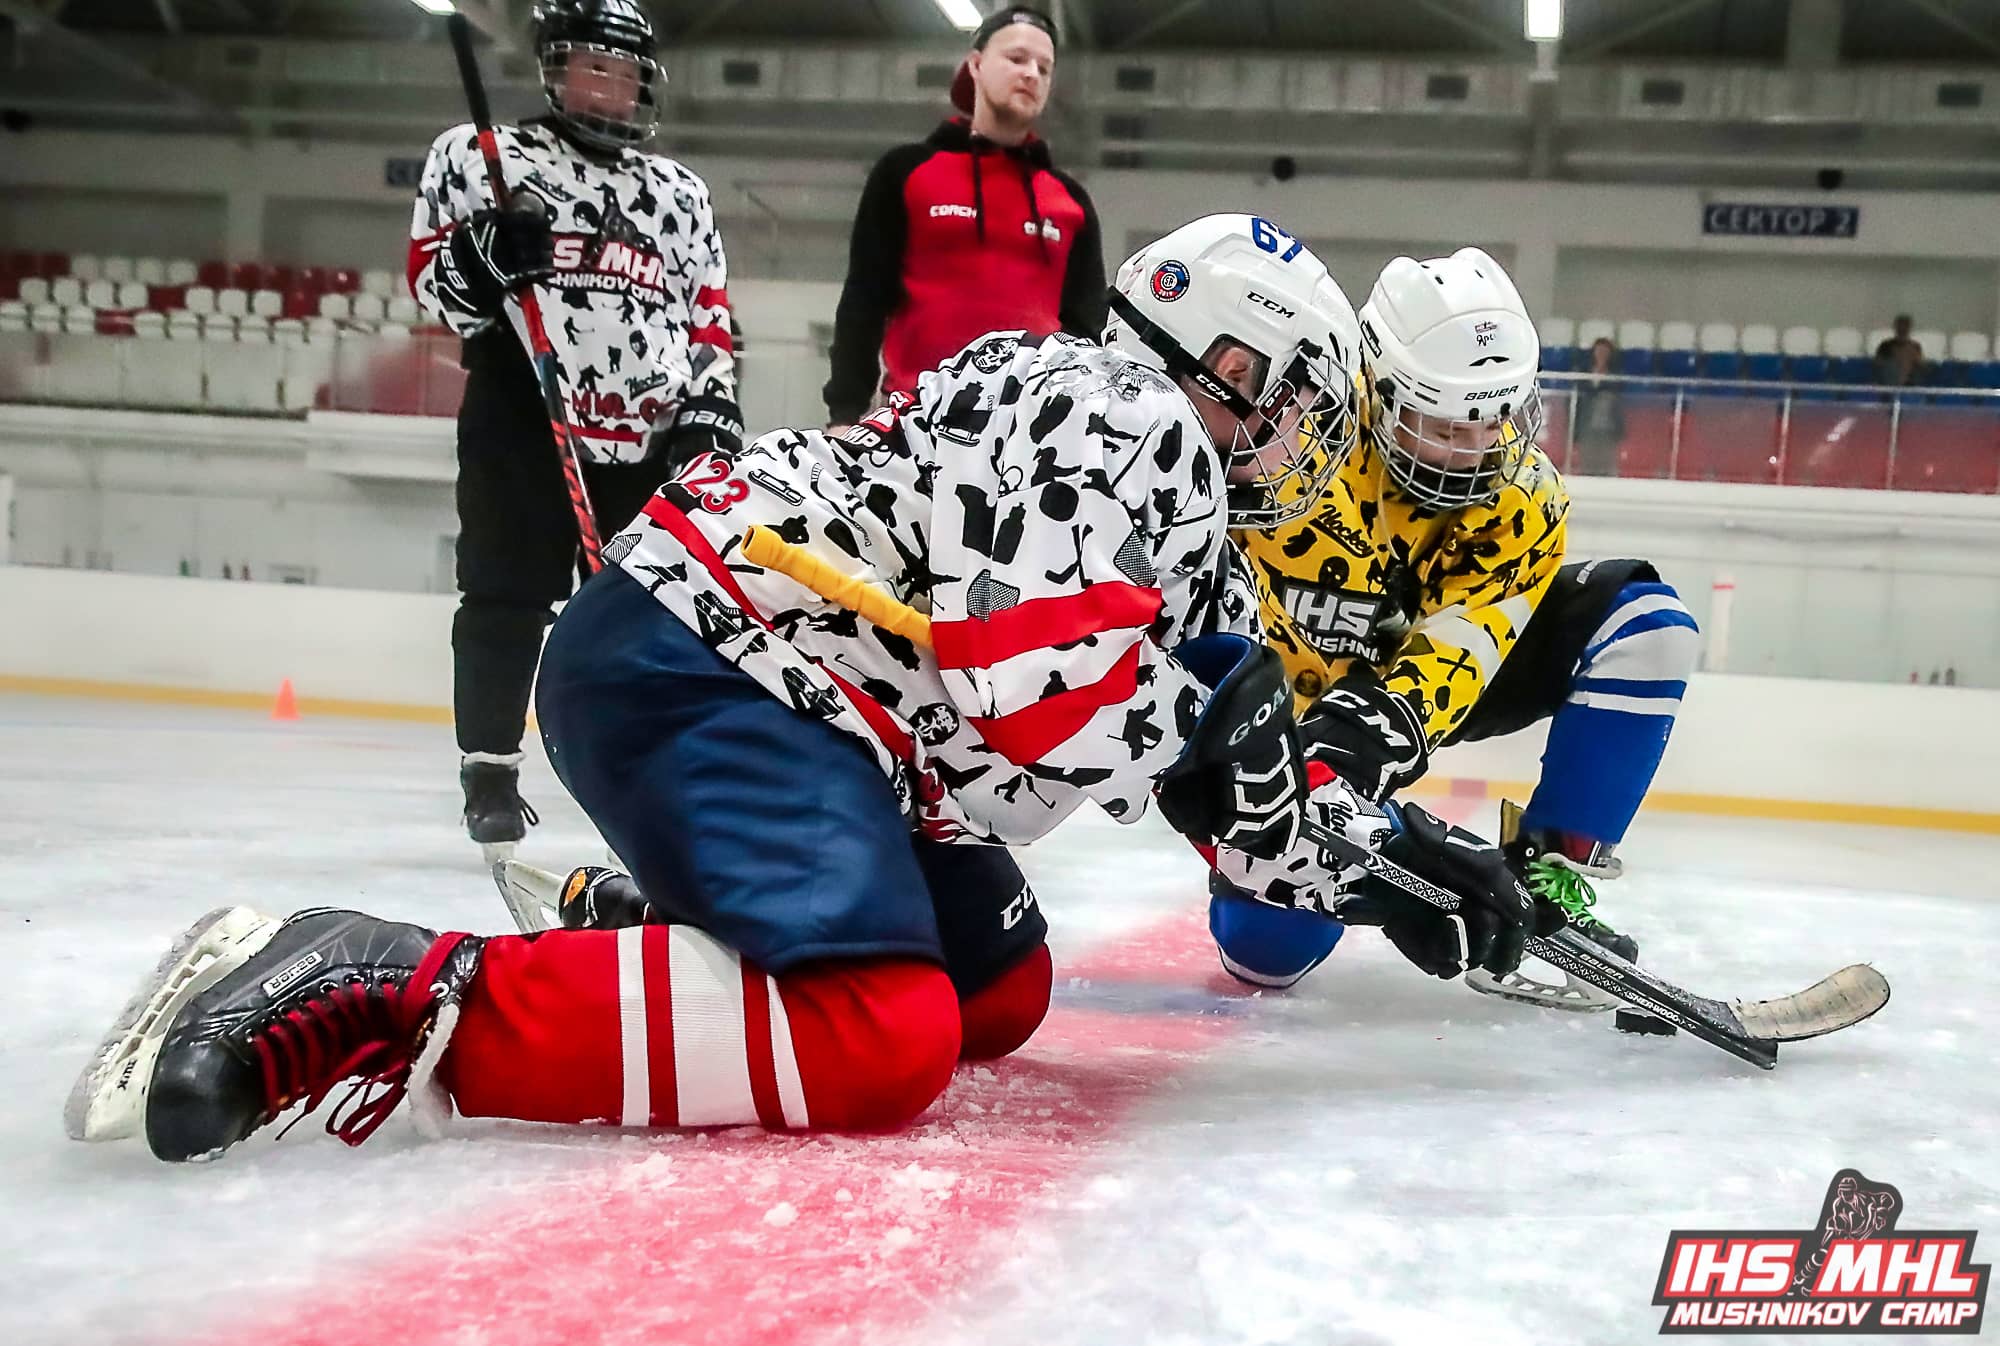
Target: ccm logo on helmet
(1170, 281)
(1497, 392)
(1273, 305)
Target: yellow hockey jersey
(1431, 599)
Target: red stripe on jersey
(422, 250)
(757, 1042)
(622, 436)
(660, 1079)
(1043, 623)
(1026, 736)
(711, 296)
(710, 334)
(661, 512)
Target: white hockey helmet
(1453, 359)
(1241, 280)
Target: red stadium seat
(1948, 449)
(1838, 444)
(51, 265)
(301, 302)
(215, 275)
(1729, 438)
(344, 280)
(245, 276)
(167, 298)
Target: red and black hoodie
(956, 237)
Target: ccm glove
(1367, 734)
(1240, 780)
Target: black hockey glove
(1496, 914)
(490, 255)
(1369, 736)
(699, 425)
(1241, 778)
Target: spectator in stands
(1899, 361)
(1599, 415)
(969, 231)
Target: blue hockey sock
(1607, 738)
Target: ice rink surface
(1371, 1157)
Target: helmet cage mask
(1303, 403)
(1442, 473)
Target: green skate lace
(1557, 883)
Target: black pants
(1534, 678)
(517, 540)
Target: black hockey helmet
(620, 28)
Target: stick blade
(1835, 1002)
(533, 896)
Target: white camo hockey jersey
(1058, 512)
(638, 310)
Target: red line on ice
(743, 1236)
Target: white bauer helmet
(1449, 345)
(1241, 280)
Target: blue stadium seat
(1677, 364)
(1850, 369)
(1984, 374)
(1636, 363)
(1559, 359)
(1809, 369)
(1721, 365)
(1766, 367)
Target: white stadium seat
(1759, 338)
(199, 299)
(232, 301)
(34, 290)
(151, 326)
(1676, 336)
(182, 271)
(66, 290)
(101, 294)
(183, 325)
(267, 303)
(1591, 329)
(1800, 341)
(79, 320)
(45, 318)
(118, 268)
(133, 294)
(369, 308)
(1716, 336)
(1933, 341)
(1842, 341)
(402, 309)
(1875, 338)
(149, 271)
(1971, 346)
(86, 266)
(1636, 334)
(335, 306)
(381, 284)
(1557, 332)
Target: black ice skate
(1558, 868)
(495, 814)
(246, 1016)
(590, 897)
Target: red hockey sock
(663, 1025)
(1005, 1014)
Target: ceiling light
(1542, 20)
(962, 14)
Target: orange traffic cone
(287, 705)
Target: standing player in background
(1426, 601)
(969, 231)
(622, 246)
(817, 808)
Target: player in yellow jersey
(1426, 600)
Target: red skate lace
(345, 1032)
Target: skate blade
(498, 852)
(532, 895)
(1571, 995)
(108, 1101)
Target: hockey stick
(540, 353)
(1751, 1030)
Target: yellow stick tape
(763, 547)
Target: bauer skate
(247, 1016)
(1560, 870)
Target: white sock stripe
(1664, 654)
(1625, 612)
(785, 1063)
(1631, 705)
(636, 1107)
(711, 1051)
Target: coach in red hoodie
(970, 231)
